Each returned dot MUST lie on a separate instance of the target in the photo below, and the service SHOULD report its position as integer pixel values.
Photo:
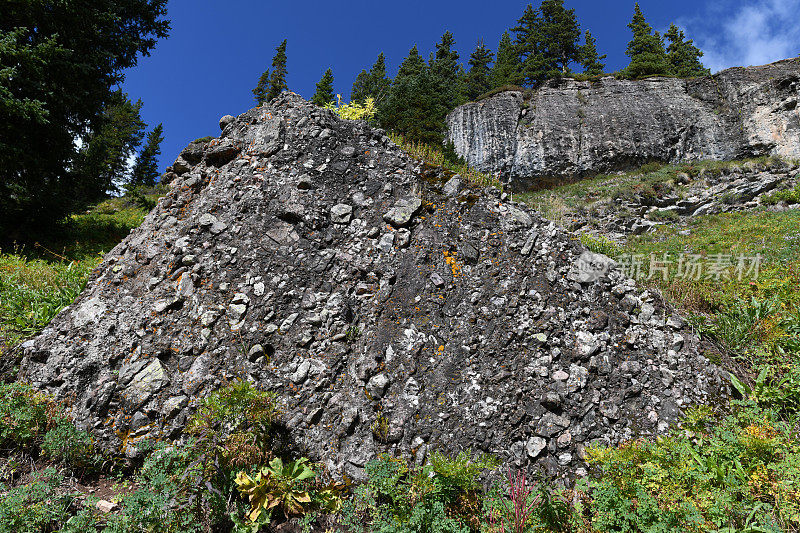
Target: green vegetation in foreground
(39, 279)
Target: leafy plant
(25, 415)
(67, 444)
(279, 485)
(790, 196)
(37, 506)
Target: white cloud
(751, 33)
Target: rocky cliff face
(305, 254)
(571, 128)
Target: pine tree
(477, 80)
(60, 63)
(373, 84)
(406, 108)
(447, 77)
(145, 170)
(506, 70)
(324, 94)
(528, 45)
(559, 33)
(684, 56)
(277, 81)
(590, 61)
(260, 92)
(101, 163)
(646, 49)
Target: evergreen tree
(260, 92)
(528, 45)
(373, 84)
(406, 108)
(506, 70)
(145, 170)
(324, 93)
(646, 49)
(477, 81)
(59, 65)
(277, 81)
(684, 56)
(590, 61)
(361, 87)
(559, 33)
(447, 77)
(101, 162)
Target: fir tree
(145, 170)
(260, 92)
(447, 77)
(324, 93)
(684, 56)
(373, 84)
(646, 49)
(277, 81)
(101, 163)
(528, 45)
(361, 87)
(477, 81)
(406, 108)
(506, 70)
(590, 61)
(559, 33)
(60, 63)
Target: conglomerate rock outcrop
(572, 128)
(304, 253)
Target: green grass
(435, 156)
(647, 181)
(790, 196)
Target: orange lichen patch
(450, 259)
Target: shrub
(734, 474)
(664, 215)
(600, 245)
(67, 444)
(790, 196)
(443, 495)
(235, 422)
(37, 506)
(354, 110)
(25, 415)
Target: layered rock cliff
(307, 255)
(573, 128)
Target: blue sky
(217, 50)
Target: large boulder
(316, 263)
